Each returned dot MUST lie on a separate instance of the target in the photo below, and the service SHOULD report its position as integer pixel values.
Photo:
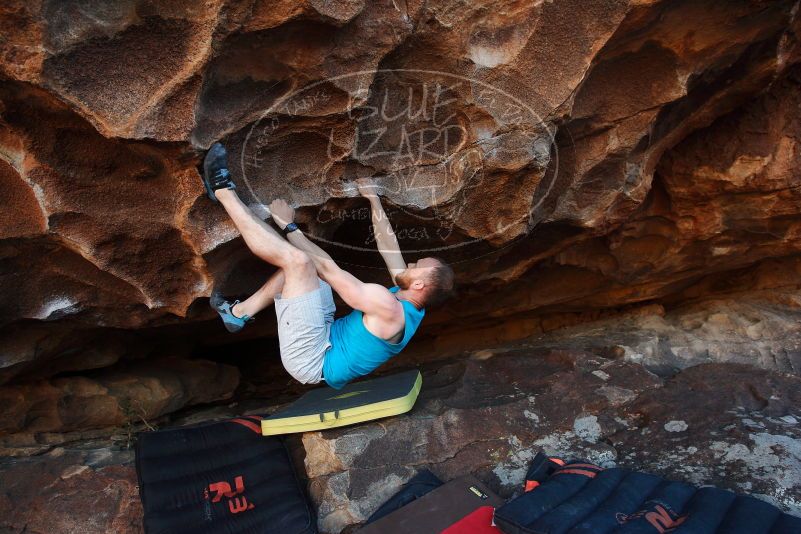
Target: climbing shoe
(224, 308)
(215, 171)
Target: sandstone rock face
(621, 147)
(615, 181)
(745, 331)
(37, 413)
(573, 159)
(71, 491)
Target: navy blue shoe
(224, 308)
(215, 171)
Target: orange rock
(568, 157)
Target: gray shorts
(304, 324)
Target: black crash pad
(436, 510)
(220, 478)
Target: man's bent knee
(298, 260)
(300, 275)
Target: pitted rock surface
(615, 181)
(68, 490)
(658, 145)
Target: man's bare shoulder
(380, 293)
(385, 316)
(382, 301)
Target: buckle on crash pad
(322, 416)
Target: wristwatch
(291, 227)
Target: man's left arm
(283, 214)
(385, 238)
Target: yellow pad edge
(350, 416)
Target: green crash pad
(357, 402)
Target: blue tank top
(355, 352)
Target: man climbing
(313, 345)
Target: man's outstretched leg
(300, 275)
(305, 306)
